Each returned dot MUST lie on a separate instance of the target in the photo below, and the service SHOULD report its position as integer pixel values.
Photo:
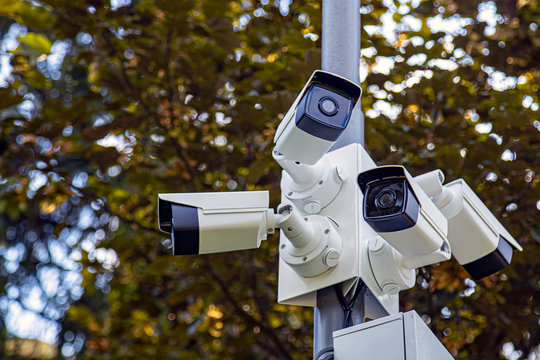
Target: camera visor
(385, 198)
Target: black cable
(348, 306)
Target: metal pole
(340, 55)
(328, 317)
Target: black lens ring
(326, 112)
(388, 204)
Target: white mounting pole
(340, 55)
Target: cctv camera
(399, 211)
(479, 241)
(201, 223)
(317, 117)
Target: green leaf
(36, 44)
(8, 98)
(35, 17)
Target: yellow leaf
(214, 312)
(272, 57)
(413, 108)
(36, 43)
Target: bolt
(376, 244)
(390, 288)
(283, 246)
(326, 231)
(312, 207)
(331, 257)
(289, 228)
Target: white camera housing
(317, 117)
(480, 243)
(399, 211)
(202, 223)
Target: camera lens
(328, 106)
(385, 199)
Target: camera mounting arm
(309, 187)
(313, 245)
(394, 271)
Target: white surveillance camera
(202, 223)
(480, 243)
(399, 211)
(317, 117)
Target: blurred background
(103, 105)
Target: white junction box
(346, 212)
(401, 336)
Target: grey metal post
(340, 55)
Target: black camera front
(326, 107)
(384, 198)
(324, 112)
(182, 222)
(390, 205)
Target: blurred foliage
(105, 105)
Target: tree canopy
(103, 105)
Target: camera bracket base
(346, 216)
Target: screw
(331, 257)
(283, 246)
(305, 258)
(326, 231)
(390, 288)
(376, 244)
(312, 206)
(289, 228)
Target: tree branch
(279, 347)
